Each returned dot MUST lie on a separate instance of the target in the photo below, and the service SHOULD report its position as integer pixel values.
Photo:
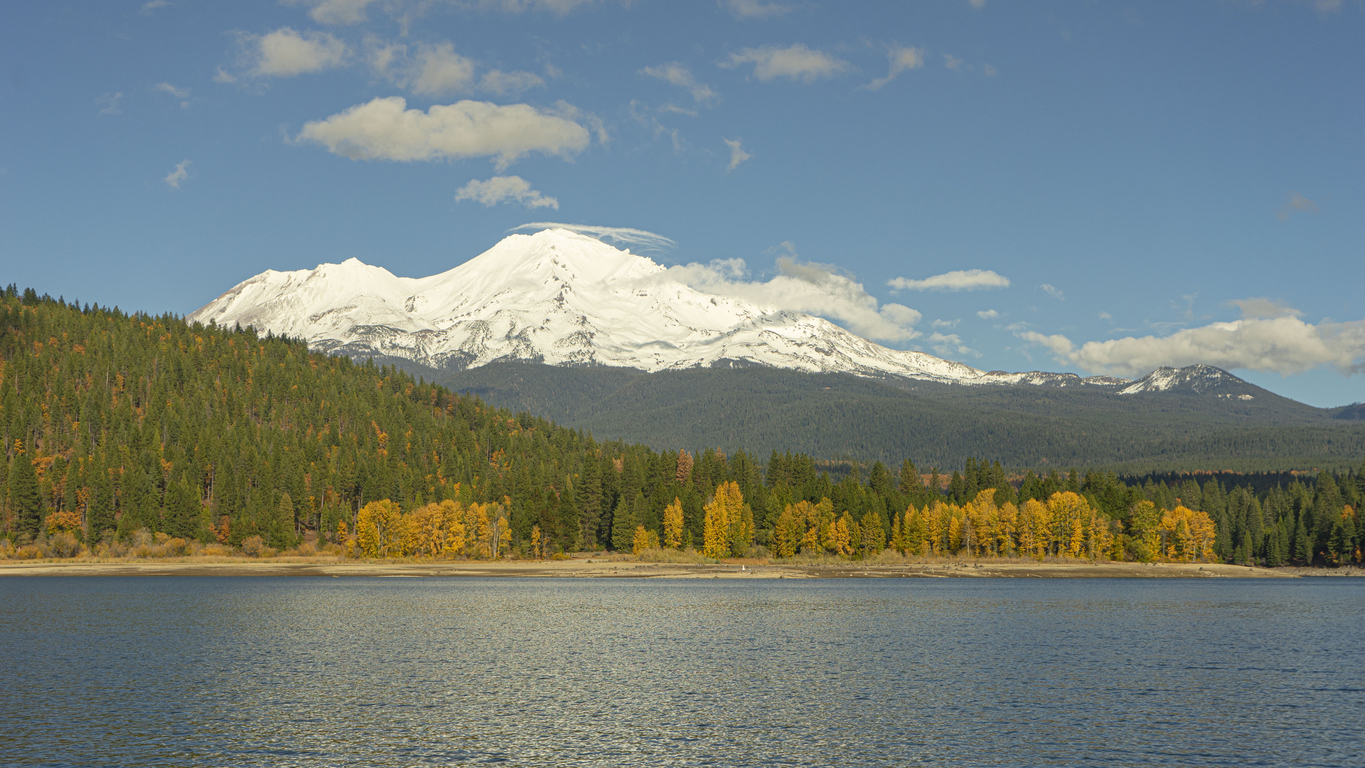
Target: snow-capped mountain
(562, 298)
(1192, 379)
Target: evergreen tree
(26, 499)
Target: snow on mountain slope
(1196, 379)
(562, 298)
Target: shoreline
(588, 568)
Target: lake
(465, 671)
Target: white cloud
(179, 93)
(754, 9)
(1060, 345)
(957, 280)
(677, 74)
(153, 5)
(178, 175)
(286, 53)
(796, 62)
(183, 94)
(109, 103)
(945, 323)
(335, 11)
(1106, 316)
(950, 345)
(557, 7)
(988, 314)
(503, 83)
(737, 154)
(1269, 337)
(901, 59)
(1263, 308)
(952, 62)
(1296, 204)
(624, 235)
(988, 70)
(1053, 291)
(815, 289)
(439, 71)
(501, 189)
(223, 76)
(384, 129)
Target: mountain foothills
(590, 336)
(120, 431)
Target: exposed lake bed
(607, 567)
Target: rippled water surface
(297, 671)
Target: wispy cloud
(950, 345)
(737, 154)
(957, 280)
(335, 11)
(1053, 291)
(437, 69)
(623, 235)
(988, 314)
(502, 189)
(385, 129)
(676, 74)
(109, 103)
(175, 177)
(901, 60)
(151, 7)
(1296, 204)
(183, 94)
(754, 9)
(796, 62)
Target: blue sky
(1087, 186)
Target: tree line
(115, 423)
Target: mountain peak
(563, 298)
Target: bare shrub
(252, 546)
(63, 544)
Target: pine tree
(26, 497)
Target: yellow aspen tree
(1067, 508)
(790, 528)
(936, 520)
(502, 536)
(1008, 529)
(640, 541)
(954, 534)
(811, 541)
(379, 529)
(453, 514)
(483, 531)
(716, 528)
(673, 524)
(1077, 541)
(536, 547)
(1039, 527)
(898, 533)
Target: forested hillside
(835, 415)
(116, 423)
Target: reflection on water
(294, 671)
